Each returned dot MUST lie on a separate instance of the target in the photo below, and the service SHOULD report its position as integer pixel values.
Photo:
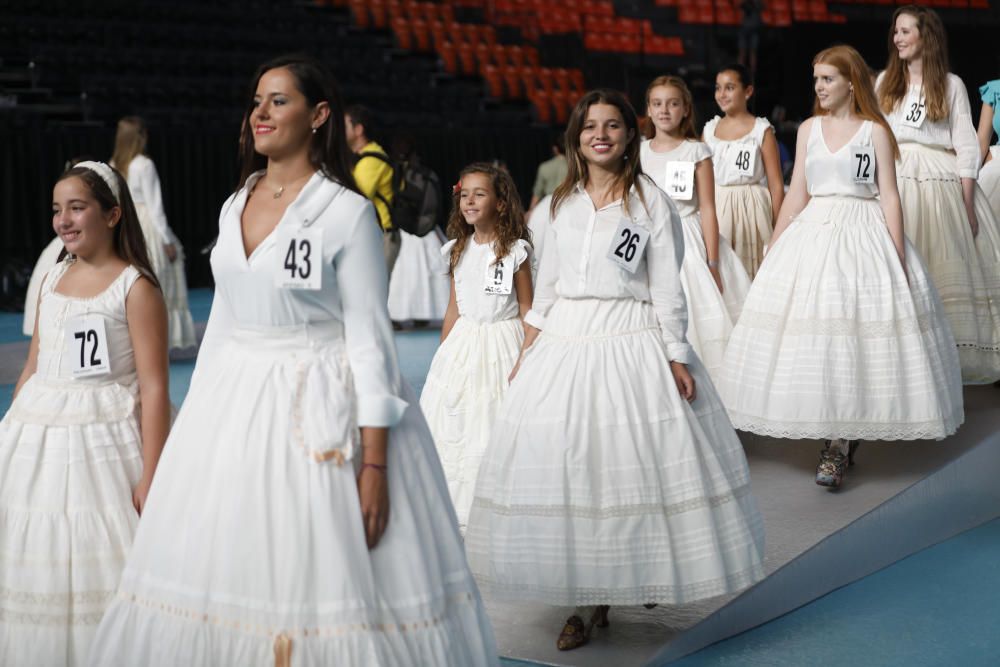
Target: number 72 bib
(87, 346)
(863, 164)
(299, 258)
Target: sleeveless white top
(830, 174)
(470, 278)
(724, 153)
(56, 311)
(655, 166)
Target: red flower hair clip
(455, 189)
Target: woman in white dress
(419, 285)
(748, 183)
(613, 475)
(945, 215)
(714, 280)
(490, 262)
(268, 537)
(165, 251)
(80, 443)
(843, 336)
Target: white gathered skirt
(70, 454)
(989, 180)
(711, 315)
(173, 284)
(466, 382)
(744, 213)
(251, 550)
(965, 270)
(419, 287)
(601, 485)
(834, 343)
(48, 259)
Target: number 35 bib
(299, 258)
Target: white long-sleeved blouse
(575, 263)
(144, 186)
(956, 132)
(354, 288)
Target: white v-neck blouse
(354, 288)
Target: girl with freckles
(714, 280)
(81, 441)
(843, 336)
(269, 538)
(945, 213)
(613, 476)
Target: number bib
(863, 164)
(87, 346)
(914, 110)
(500, 277)
(299, 258)
(628, 244)
(680, 180)
(746, 159)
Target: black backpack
(416, 194)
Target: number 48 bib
(299, 259)
(746, 159)
(87, 346)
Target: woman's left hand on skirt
(373, 494)
(685, 383)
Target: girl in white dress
(80, 443)
(748, 183)
(945, 215)
(843, 336)
(269, 539)
(489, 260)
(165, 251)
(613, 475)
(714, 280)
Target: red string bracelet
(381, 468)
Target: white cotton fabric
(742, 203)
(956, 133)
(144, 186)
(272, 545)
(419, 287)
(47, 260)
(70, 454)
(965, 270)
(468, 376)
(601, 485)
(711, 315)
(989, 180)
(835, 340)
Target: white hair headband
(106, 174)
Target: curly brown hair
(510, 223)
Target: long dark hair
(510, 224)
(934, 56)
(129, 242)
(328, 150)
(577, 167)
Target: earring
(314, 130)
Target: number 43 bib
(299, 259)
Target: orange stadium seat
(401, 28)
(359, 12)
(449, 57)
(421, 33)
(512, 79)
(543, 106)
(494, 81)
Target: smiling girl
(945, 214)
(748, 183)
(715, 282)
(842, 336)
(613, 475)
(81, 441)
(489, 258)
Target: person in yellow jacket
(373, 174)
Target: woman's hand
(373, 494)
(171, 251)
(973, 220)
(714, 270)
(140, 492)
(685, 383)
